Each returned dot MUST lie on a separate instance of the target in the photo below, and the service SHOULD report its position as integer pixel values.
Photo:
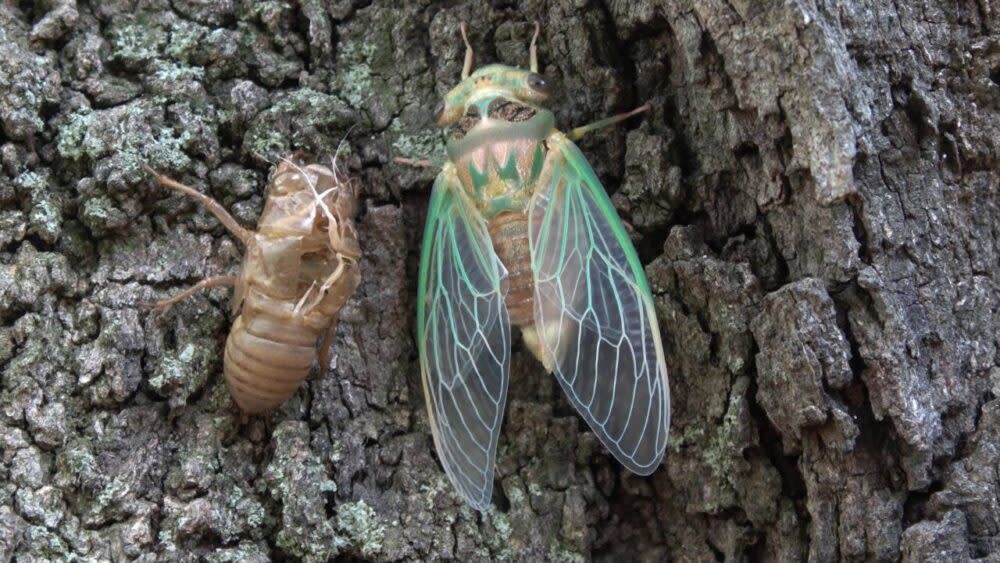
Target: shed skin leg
(214, 207)
(218, 281)
(324, 349)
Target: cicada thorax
(299, 270)
(498, 160)
(499, 156)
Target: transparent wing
(594, 311)
(463, 334)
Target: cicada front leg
(218, 281)
(416, 162)
(343, 281)
(222, 215)
(214, 207)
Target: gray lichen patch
(135, 42)
(46, 203)
(179, 256)
(29, 82)
(32, 277)
(186, 350)
(298, 481)
(13, 227)
(356, 77)
(102, 216)
(73, 141)
(362, 527)
(301, 119)
(109, 369)
(123, 138)
(376, 72)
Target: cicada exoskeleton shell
(299, 268)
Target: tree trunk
(814, 195)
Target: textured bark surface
(815, 195)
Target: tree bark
(814, 195)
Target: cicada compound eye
(538, 83)
(439, 112)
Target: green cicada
(520, 231)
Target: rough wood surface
(815, 195)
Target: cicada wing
(594, 311)
(463, 335)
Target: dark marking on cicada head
(510, 111)
(467, 122)
(515, 85)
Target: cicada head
(479, 89)
(290, 208)
(309, 200)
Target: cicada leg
(331, 281)
(579, 132)
(315, 294)
(213, 206)
(467, 67)
(419, 163)
(324, 349)
(533, 50)
(218, 281)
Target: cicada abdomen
(299, 269)
(509, 232)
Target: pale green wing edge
(594, 311)
(463, 336)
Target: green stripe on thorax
(499, 186)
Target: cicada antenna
(533, 50)
(467, 69)
(342, 180)
(336, 155)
